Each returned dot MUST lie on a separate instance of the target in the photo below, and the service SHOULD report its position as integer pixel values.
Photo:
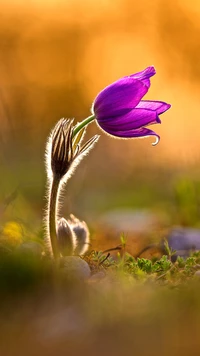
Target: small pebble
(74, 267)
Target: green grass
(129, 306)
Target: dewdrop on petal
(82, 235)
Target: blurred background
(55, 56)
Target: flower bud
(82, 235)
(66, 238)
(64, 150)
(61, 151)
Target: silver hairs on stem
(63, 153)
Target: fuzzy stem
(83, 123)
(53, 200)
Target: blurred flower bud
(66, 238)
(82, 235)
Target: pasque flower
(120, 111)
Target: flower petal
(134, 119)
(159, 106)
(125, 93)
(139, 133)
(144, 75)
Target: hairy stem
(53, 201)
(83, 123)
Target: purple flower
(120, 111)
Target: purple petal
(139, 133)
(144, 75)
(134, 119)
(125, 93)
(159, 106)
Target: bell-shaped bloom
(120, 110)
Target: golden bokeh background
(56, 55)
